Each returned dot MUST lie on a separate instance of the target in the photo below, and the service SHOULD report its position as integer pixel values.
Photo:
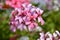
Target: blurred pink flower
(26, 17)
(16, 3)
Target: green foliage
(5, 32)
(52, 21)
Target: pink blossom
(26, 17)
(16, 3)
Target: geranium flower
(26, 17)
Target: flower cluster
(49, 36)
(16, 3)
(26, 17)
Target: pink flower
(16, 3)
(26, 17)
